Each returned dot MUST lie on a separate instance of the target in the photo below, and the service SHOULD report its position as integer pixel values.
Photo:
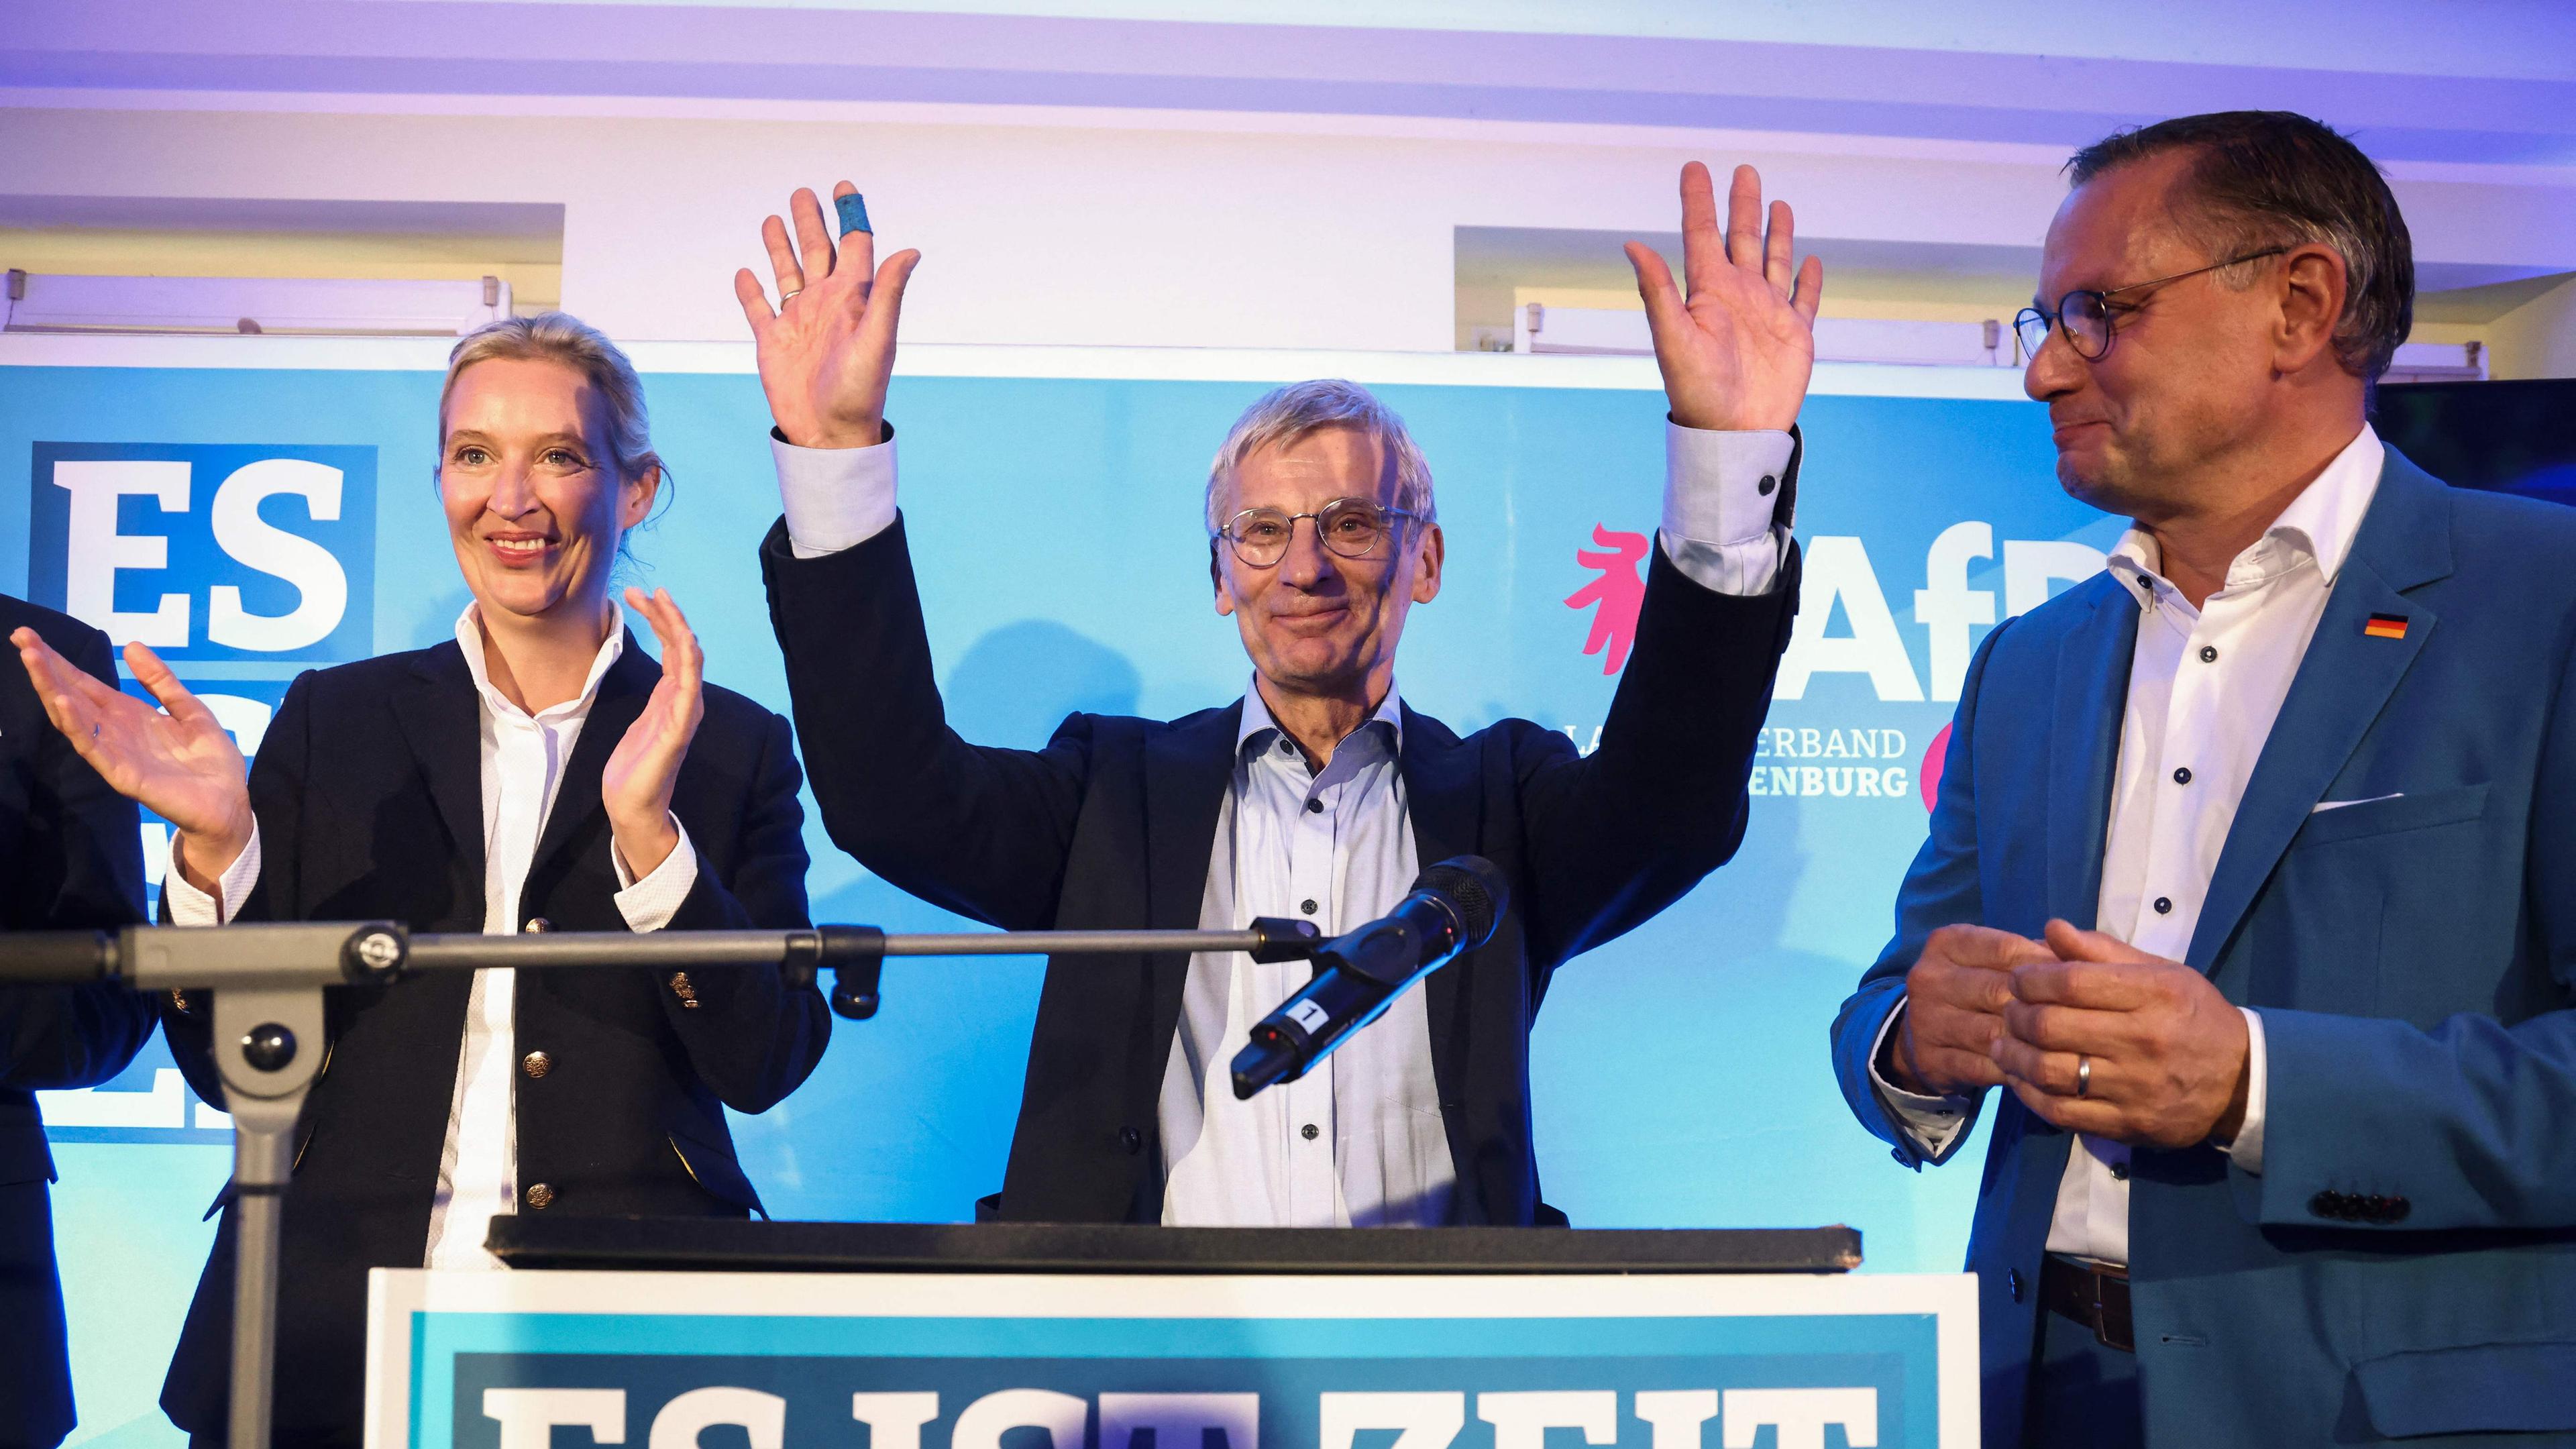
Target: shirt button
(1132, 1140)
(2119, 1172)
(537, 924)
(1314, 807)
(536, 1064)
(1768, 483)
(540, 1196)
(1307, 906)
(2209, 654)
(1286, 748)
(2182, 775)
(2164, 905)
(1310, 1132)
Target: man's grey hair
(2261, 179)
(1299, 409)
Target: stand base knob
(268, 1047)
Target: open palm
(180, 765)
(827, 349)
(1737, 353)
(635, 787)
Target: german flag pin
(2385, 626)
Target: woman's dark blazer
(368, 789)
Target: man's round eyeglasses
(2086, 317)
(1351, 527)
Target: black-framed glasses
(1351, 527)
(2087, 317)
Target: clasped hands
(2090, 1033)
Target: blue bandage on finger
(854, 213)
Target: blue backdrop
(1681, 1073)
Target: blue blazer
(2405, 1264)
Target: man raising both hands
(1320, 792)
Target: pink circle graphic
(1930, 774)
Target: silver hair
(1287, 414)
(561, 337)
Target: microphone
(1452, 908)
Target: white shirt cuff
(650, 903)
(2247, 1149)
(1721, 492)
(835, 498)
(1931, 1121)
(190, 906)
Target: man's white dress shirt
(523, 758)
(1359, 1143)
(1362, 1144)
(2205, 686)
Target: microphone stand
(267, 982)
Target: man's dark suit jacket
(368, 789)
(71, 858)
(1111, 826)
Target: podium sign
(525, 1360)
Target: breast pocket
(2377, 907)
(2390, 815)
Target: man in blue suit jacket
(2252, 878)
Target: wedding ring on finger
(2083, 1076)
(788, 294)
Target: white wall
(1088, 226)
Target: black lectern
(528, 1240)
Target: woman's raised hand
(635, 788)
(827, 349)
(175, 761)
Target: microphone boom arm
(267, 982)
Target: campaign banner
(193, 491)
(276, 542)
(985, 1360)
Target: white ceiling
(2466, 81)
